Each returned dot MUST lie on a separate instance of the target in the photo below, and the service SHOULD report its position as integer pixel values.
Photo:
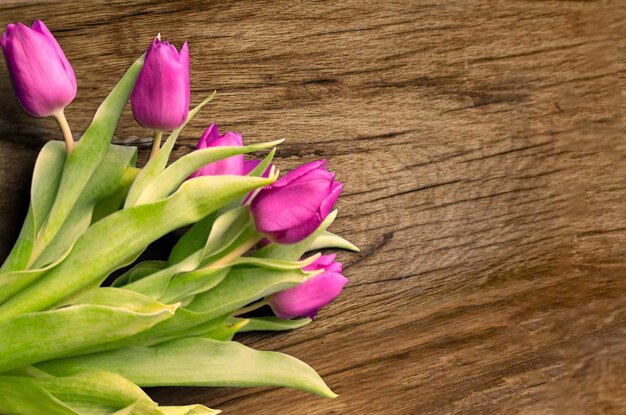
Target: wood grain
(482, 149)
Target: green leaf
(263, 165)
(95, 392)
(139, 271)
(179, 280)
(185, 323)
(183, 279)
(170, 178)
(89, 152)
(12, 283)
(17, 259)
(114, 202)
(276, 264)
(99, 392)
(119, 297)
(156, 164)
(154, 285)
(207, 310)
(46, 179)
(271, 324)
(123, 235)
(191, 283)
(184, 302)
(104, 182)
(110, 315)
(20, 395)
(330, 240)
(225, 230)
(243, 286)
(198, 362)
(193, 240)
(226, 330)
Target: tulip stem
(65, 128)
(156, 143)
(251, 307)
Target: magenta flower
(235, 165)
(43, 78)
(231, 165)
(309, 297)
(290, 209)
(160, 100)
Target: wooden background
(483, 154)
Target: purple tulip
(43, 78)
(309, 297)
(291, 208)
(235, 165)
(160, 100)
(231, 165)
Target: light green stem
(65, 128)
(156, 143)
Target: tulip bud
(43, 78)
(160, 100)
(231, 165)
(309, 297)
(291, 208)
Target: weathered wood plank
(482, 147)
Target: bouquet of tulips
(71, 345)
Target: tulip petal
(160, 100)
(249, 165)
(307, 298)
(230, 165)
(327, 205)
(210, 134)
(43, 78)
(41, 27)
(294, 206)
(322, 262)
(299, 172)
(279, 209)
